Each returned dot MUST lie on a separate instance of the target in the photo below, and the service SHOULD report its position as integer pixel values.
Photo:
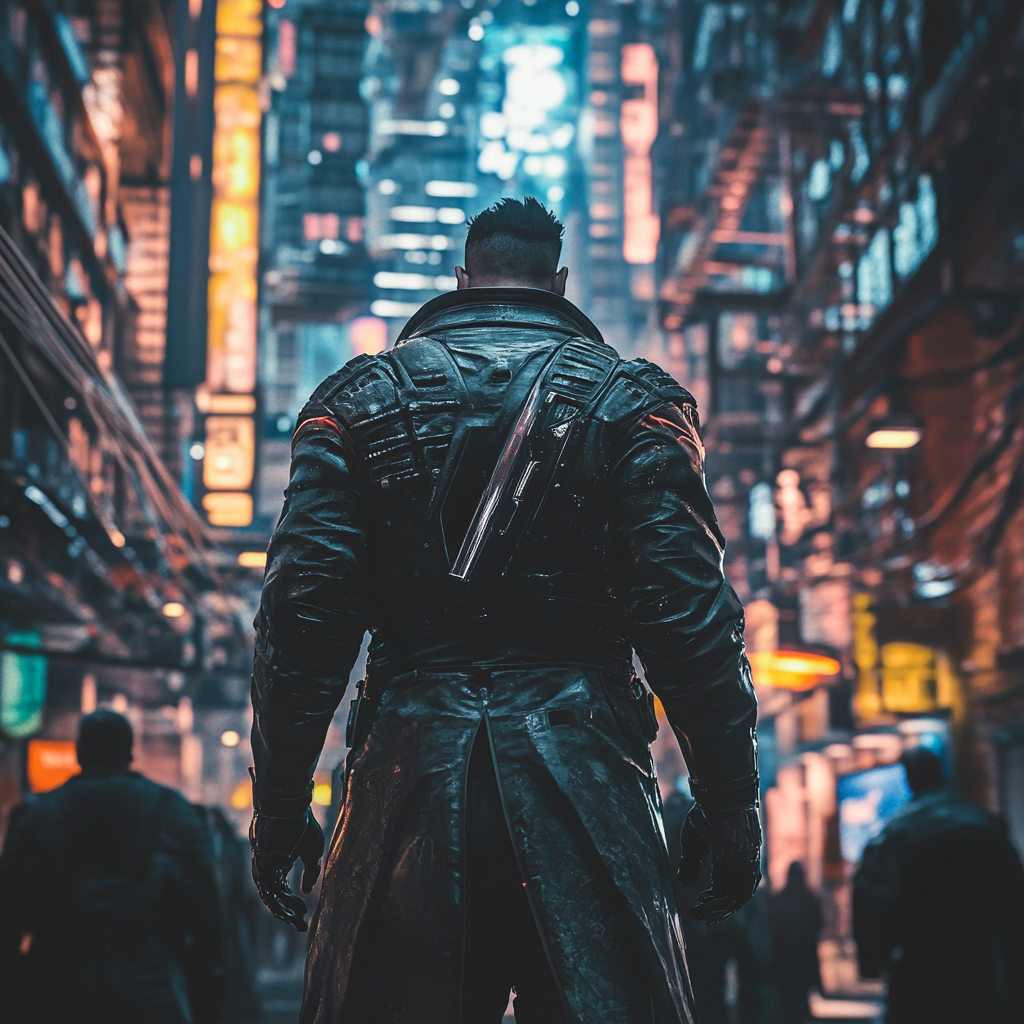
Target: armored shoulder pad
(639, 386)
(363, 387)
(663, 384)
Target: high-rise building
(313, 312)
(471, 102)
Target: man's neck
(501, 282)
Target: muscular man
(510, 509)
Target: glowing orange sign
(50, 764)
(639, 126)
(234, 255)
(791, 670)
(228, 508)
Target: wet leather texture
(389, 460)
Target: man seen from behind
(510, 509)
(938, 908)
(108, 906)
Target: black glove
(276, 844)
(733, 838)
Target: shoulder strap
(564, 394)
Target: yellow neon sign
(234, 255)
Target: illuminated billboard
(867, 802)
(230, 446)
(529, 104)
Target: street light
(895, 433)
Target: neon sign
(234, 222)
(639, 126)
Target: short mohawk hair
(527, 220)
(514, 240)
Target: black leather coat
(389, 460)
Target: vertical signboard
(641, 227)
(229, 456)
(867, 697)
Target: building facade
(113, 590)
(840, 285)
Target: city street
(807, 214)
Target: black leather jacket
(111, 877)
(626, 551)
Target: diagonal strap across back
(565, 393)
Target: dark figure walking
(508, 507)
(796, 925)
(938, 905)
(108, 906)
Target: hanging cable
(40, 322)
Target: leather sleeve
(312, 615)
(685, 620)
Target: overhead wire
(1011, 499)
(847, 369)
(960, 374)
(34, 313)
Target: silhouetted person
(938, 905)
(108, 904)
(242, 914)
(797, 921)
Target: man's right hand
(276, 844)
(733, 838)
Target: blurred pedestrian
(242, 914)
(797, 921)
(938, 906)
(108, 903)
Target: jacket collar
(494, 307)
